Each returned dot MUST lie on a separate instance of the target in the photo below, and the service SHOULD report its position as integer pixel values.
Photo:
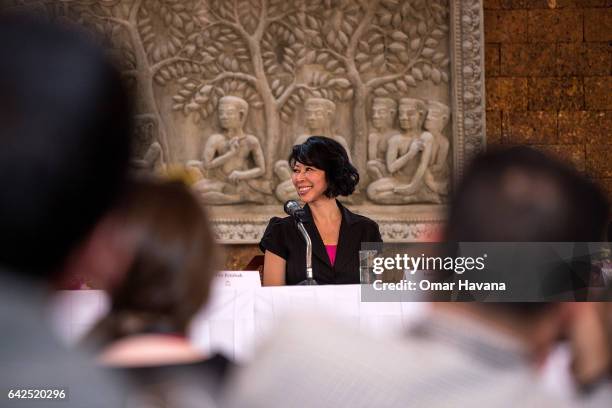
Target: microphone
(293, 209)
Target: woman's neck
(325, 210)
(149, 350)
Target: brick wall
(549, 79)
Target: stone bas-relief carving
(383, 118)
(408, 158)
(233, 161)
(320, 113)
(182, 56)
(148, 155)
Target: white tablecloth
(236, 319)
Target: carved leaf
(401, 85)
(414, 44)
(378, 48)
(426, 71)
(413, 31)
(343, 38)
(397, 47)
(428, 52)
(341, 82)
(331, 37)
(438, 56)
(322, 58)
(361, 57)
(201, 99)
(381, 92)
(288, 66)
(331, 65)
(431, 42)
(404, 57)
(399, 36)
(378, 61)
(444, 76)
(177, 106)
(312, 22)
(363, 46)
(365, 66)
(410, 80)
(397, 20)
(391, 87)
(422, 28)
(417, 73)
(310, 56)
(437, 33)
(436, 76)
(385, 18)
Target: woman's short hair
(173, 266)
(328, 155)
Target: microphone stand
(293, 208)
(309, 277)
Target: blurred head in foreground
(64, 143)
(522, 195)
(173, 262)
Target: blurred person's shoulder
(32, 359)
(319, 362)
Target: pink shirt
(331, 253)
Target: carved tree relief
(183, 56)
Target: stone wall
(548, 79)
(548, 84)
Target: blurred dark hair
(328, 155)
(523, 195)
(173, 266)
(64, 142)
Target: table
(235, 320)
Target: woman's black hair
(328, 155)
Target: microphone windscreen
(291, 207)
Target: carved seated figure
(285, 190)
(148, 154)
(438, 173)
(383, 116)
(319, 114)
(407, 158)
(232, 161)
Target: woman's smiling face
(309, 182)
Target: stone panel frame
(246, 224)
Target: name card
(237, 279)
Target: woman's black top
(284, 239)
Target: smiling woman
(321, 172)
